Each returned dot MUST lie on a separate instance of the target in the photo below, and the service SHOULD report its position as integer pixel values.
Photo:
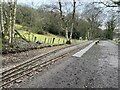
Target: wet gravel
(98, 68)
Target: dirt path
(98, 68)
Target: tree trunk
(91, 28)
(12, 17)
(2, 20)
(66, 33)
(6, 19)
(10, 22)
(73, 17)
(88, 35)
(71, 31)
(13, 20)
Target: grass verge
(114, 42)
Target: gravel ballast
(9, 60)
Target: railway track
(32, 60)
(35, 64)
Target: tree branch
(107, 5)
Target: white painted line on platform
(83, 51)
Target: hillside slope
(46, 39)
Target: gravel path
(98, 68)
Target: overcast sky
(45, 1)
(61, 0)
(39, 2)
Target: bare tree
(112, 4)
(8, 17)
(14, 18)
(10, 22)
(63, 20)
(92, 15)
(73, 17)
(107, 3)
(67, 21)
(110, 27)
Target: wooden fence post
(63, 41)
(35, 38)
(48, 40)
(58, 40)
(32, 37)
(53, 40)
(45, 40)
